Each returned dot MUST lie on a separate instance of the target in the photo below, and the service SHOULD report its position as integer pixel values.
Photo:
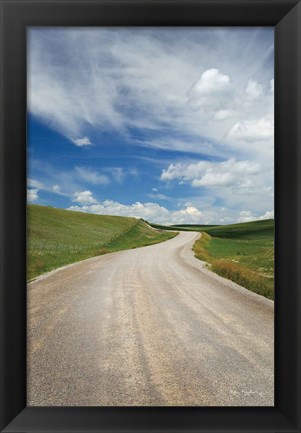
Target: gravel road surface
(148, 327)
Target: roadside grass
(58, 237)
(243, 253)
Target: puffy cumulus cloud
(232, 184)
(191, 214)
(211, 91)
(81, 142)
(84, 197)
(91, 176)
(212, 174)
(56, 188)
(32, 195)
(249, 131)
(137, 210)
(267, 215)
(188, 213)
(248, 216)
(253, 90)
(33, 188)
(151, 212)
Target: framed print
(145, 148)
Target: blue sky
(174, 125)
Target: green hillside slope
(243, 253)
(57, 237)
(252, 230)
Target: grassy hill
(57, 237)
(244, 253)
(253, 230)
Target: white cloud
(157, 196)
(32, 195)
(211, 91)
(267, 215)
(234, 184)
(212, 174)
(133, 172)
(212, 179)
(223, 114)
(33, 183)
(118, 174)
(190, 213)
(151, 212)
(253, 90)
(56, 188)
(91, 176)
(84, 197)
(272, 86)
(253, 130)
(196, 145)
(81, 142)
(136, 210)
(34, 186)
(248, 216)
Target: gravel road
(148, 327)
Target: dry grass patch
(242, 261)
(244, 276)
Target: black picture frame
(16, 16)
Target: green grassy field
(252, 230)
(57, 237)
(243, 253)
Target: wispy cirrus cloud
(85, 80)
(34, 186)
(92, 176)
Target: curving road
(148, 327)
